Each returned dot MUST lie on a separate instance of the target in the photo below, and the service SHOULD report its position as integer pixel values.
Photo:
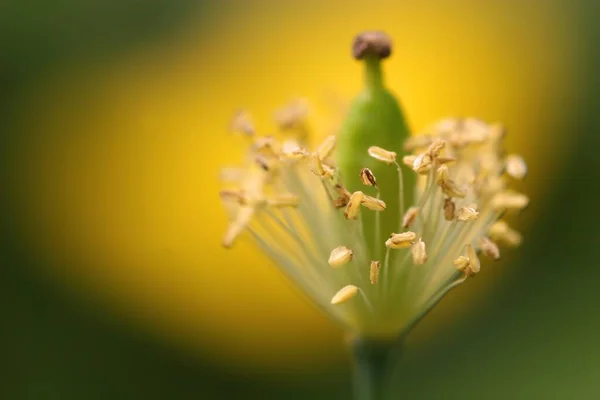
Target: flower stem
(374, 363)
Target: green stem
(373, 73)
(374, 363)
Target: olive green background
(538, 336)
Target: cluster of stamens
(294, 204)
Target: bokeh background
(113, 117)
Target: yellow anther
(344, 294)
(339, 256)
(469, 263)
(489, 248)
(501, 232)
(410, 216)
(321, 169)
(374, 271)
(267, 163)
(292, 115)
(449, 187)
(436, 147)
(326, 148)
(388, 157)
(475, 265)
(409, 160)
(400, 240)
(292, 151)
(419, 252)
(449, 209)
(284, 200)
(422, 163)
(265, 145)
(373, 203)
(367, 178)
(509, 200)
(242, 123)
(467, 214)
(343, 197)
(353, 207)
(515, 166)
(461, 263)
(417, 142)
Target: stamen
(232, 195)
(344, 294)
(267, 163)
(374, 271)
(242, 219)
(367, 178)
(284, 200)
(366, 300)
(419, 253)
(388, 157)
(231, 175)
(509, 200)
(265, 145)
(422, 163)
(373, 203)
(410, 217)
(386, 269)
(436, 147)
(378, 229)
(409, 160)
(242, 123)
(468, 264)
(515, 166)
(292, 151)
(353, 207)
(340, 256)
(320, 168)
(400, 187)
(445, 160)
(292, 115)
(400, 240)
(475, 265)
(326, 148)
(281, 205)
(489, 248)
(449, 208)
(467, 214)
(417, 142)
(500, 231)
(343, 198)
(461, 263)
(449, 187)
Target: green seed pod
(375, 119)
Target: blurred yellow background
(122, 165)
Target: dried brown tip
(372, 43)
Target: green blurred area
(536, 336)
